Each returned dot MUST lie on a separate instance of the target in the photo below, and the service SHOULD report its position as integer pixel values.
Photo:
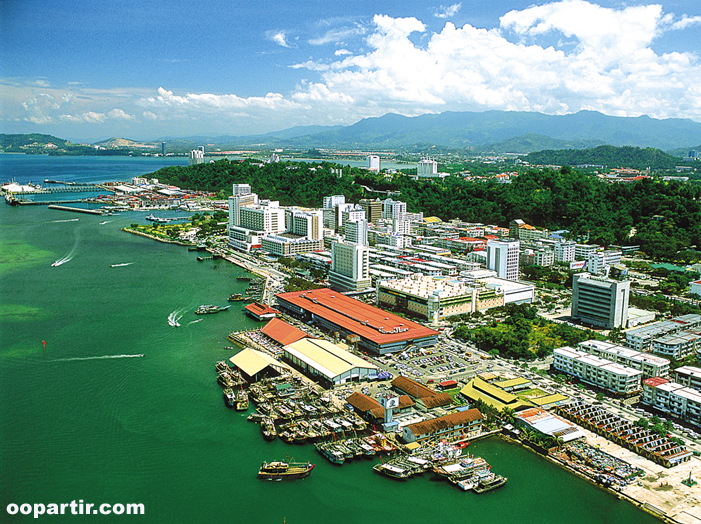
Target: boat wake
(195, 321)
(61, 261)
(65, 220)
(106, 222)
(103, 357)
(174, 317)
(121, 265)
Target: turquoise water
(154, 429)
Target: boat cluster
(209, 308)
(253, 293)
(338, 451)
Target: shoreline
(153, 237)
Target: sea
(101, 400)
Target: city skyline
(90, 71)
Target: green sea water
(82, 418)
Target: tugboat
(278, 470)
(207, 309)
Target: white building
(350, 267)
(503, 257)
(241, 189)
(356, 231)
(600, 301)
(582, 251)
(597, 371)
(306, 223)
(564, 251)
(650, 365)
(427, 168)
(196, 156)
(689, 376)
(673, 398)
(393, 209)
(373, 163)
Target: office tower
(350, 265)
(600, 301)
(502, 257)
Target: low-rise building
(689, 376)
(650, 365)
(677, 345)
(462, 423)
(673, 398)
(549, 424)
(599, 372)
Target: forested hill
(608, 156)
(666, 216)
(27, 143)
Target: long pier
(76, 209)
(47, 202)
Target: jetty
(77, 209)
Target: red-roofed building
(380, 331)
(653, 382)
(261, 311)
(282, 333)
(462, 423)
(372, 411)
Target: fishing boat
(230, 397)
(267, 427)
(279, 470)
(488, 482)
(241, 400)
(392, 471)
(235, 297)
(330, 452)
(209, 308)
(244, 279)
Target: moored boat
(392, 471)
(278, 470)
(229, 396)
(489, 482)
(209, 308)
(241, 402)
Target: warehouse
(255, 365)
(326, 362)
(379, 331)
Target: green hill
(607, 156)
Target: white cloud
(338, 35)
(446, 11)
(279, 37)
(686, 21)
(119, 114)
(150, 115)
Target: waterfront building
(424, 397)
(331, 364)
(372, 208)
(600, 301)
(373, 163)
(268, 218)
(548, 424)
(427, 168)
(380, 331)
(256, 365)
(599, 372)
(163, 148)
(371, 410)
(196, 156)
(479, 389)
(236, 202)
(349, 267)
(650, 365)
(285, 244)
(502, 257)
(673, 398)
(260, 311)
(282, 333)
(447, 427)
(689, 376)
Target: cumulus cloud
(279, 37)
(446, 11)
(119, 114)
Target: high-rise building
(427, 168)
(372, 208)
(332, 201)
(241, 189)
(196, 157)
(268, 219)
(503, 257)
(392, 209)
(236, 202)
(163, 148)
(600, 301)
(307, 223)
(350, 267)
(564, 251)
(356, 231)
(373, 163)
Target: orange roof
(413, 388)
(655, 381)
(282, 333)
(369, 404)
(369, 322)
(446, 422)
(260, 309)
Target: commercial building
(549, 424)
(427, 168)
(583, 251)
(286, 245)
(372, 208)
(673, 398)
(356, 231)
(689, 376)
(393, 210)
(564, 251)
(600, 301)
(350, 265)
(462, 423)
(479, 389)
(380, 332)
(502, 257)
(677, 345)
(371, 410)
(424, 397)
(650, 365)
(373, 163)
(519, 230)
(599, 372)
(255, 365)
(327, 362)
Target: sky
(87, 70)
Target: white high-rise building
(427, 168)
(197, 156)
(393, 209)
(350, 267)
(241, 189)
(308, 224)
(564, 251)
(263, 218)
(502, 257)
(373, 163)
(356, 231)
(600, 301)
(332, 201)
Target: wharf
(48, 202)
(77, 209)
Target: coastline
(153, 237)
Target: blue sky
(87, 70)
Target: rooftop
(326, 357)
(282, 333)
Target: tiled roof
(446, 422)
(282, 333)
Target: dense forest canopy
(608, 156)
(663, 217)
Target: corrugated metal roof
(326, 357)
(251, 362)
(283, 333)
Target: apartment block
(599, 372)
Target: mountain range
(489, 131)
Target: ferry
(285, 470)
(207, 309)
